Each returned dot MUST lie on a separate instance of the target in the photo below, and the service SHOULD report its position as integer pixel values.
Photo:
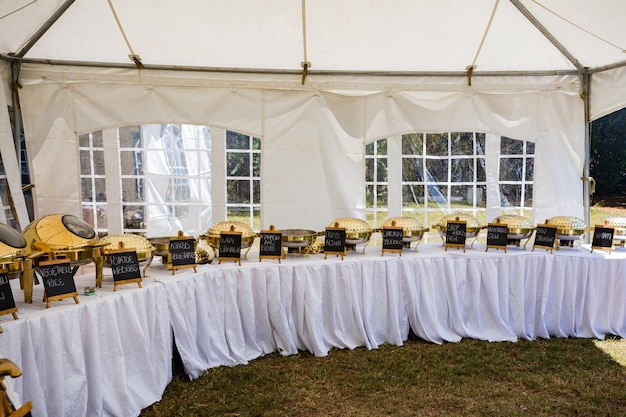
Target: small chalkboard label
(7, 302)
(58, 280)
(335, 241)
(497, 236)
(183, 251)
(456, 232)
(230, 247)
(545, 236)
(602, 238)
(393, 239)
(270, 244)
(125, 267)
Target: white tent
(315, 81)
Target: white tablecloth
(111, 354)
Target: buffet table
(111, 353)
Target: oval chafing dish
(358, 231)
(213, 235)
(412, 230)
(520, 228)
(140, 244)
(569, 230)
(473, 227)
(298, 240)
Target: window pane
(369, 169)
(530, 148)
(436, 170)
(412, 144)
(412, 195)
(86, 189)
(133, 217)
(437, 195)
(481, 176)
(96, 138)
(256, 144)
(381, 146)
(132, 189)
(462, 170)
(480, 143)
(437, 144)
(511, 146)
(236, 140)
(85, 162)
(412, 170)
(256, 194)
(381, 195)
(462, 143)
(369, 196)
(511, 169)
(528, 195)
(461, 194)
(530, 166)
(369, 149)
(98, 162)
(381, 173)
(238, 191)
(101, 191)
(510, 195)
(256, 164)
(83, 141)
(238, 164)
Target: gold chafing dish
(213, 235)
(473, 227)
(412, 230)
(161, 247)
(520, 228)
(569, 230)
(298, 240)
(129, 241)
(65, 236)
(15, 258)
(619, 224)
(358, 231)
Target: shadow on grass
(470, 378)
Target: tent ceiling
(418, 36)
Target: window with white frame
(446, 172)
(243, 179)
(93, 181)
(376, 182)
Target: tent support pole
(586, 179)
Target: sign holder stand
(540, 246)
(602, 244)
(169, 255)
(231, 258)
(337, 253)
(455, 245)
(47, 299)
(393, 250)
(12, 310)
(496, 224)
(272, 231)
(125, 281)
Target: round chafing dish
(357, 231)
(161, 247)
(213, 235)
(520, 228)
(569, 230)
(619, 224)
(14, 257)
(65, 236)
(412, 230)
(298, 240)
(129, 241)
(473, 227)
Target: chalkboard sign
(544, 237)
(335, 241)
(182, 252)
(602, 238)
(230, 247)
(393, 240)
(270, 244)
(125, 267)
(58, 280)
(497, 236)
(456, 232)
(7, 302)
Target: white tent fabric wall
(312, 139)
